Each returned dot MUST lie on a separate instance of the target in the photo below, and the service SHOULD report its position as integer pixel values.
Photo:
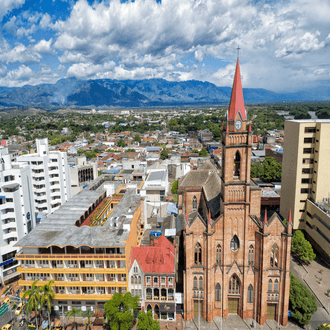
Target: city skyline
(44, 41)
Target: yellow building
(85, 246)
(306, 179)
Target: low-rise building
(152, 278)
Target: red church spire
(265, 220)
(290, 218)
(236, 104)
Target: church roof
(236, 104)
(157, 259)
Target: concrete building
(85, 245)
(305, 179)
(155, 187)
(234, 260)
(81, 174)
(50, 178)
(17, 216)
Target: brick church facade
(235, 260)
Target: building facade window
(217, 292)
(234, 285)
(276, 286)
(274, 256)
(200, 283)
(251, 255)
(198, 254)
(195, 282)
(237, 164)
(270, 286)
(250, 294)
(219, 254)
(194, 203)
(234, 244)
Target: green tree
(164, 154)
(175, 187)
(88, 314)
(272, 170)
(119, 311)
(301, 247)
(301, 302)
(121, 143)
(203, 153)
(256, 170)
(47, 296)
(146, 321)
(74, 312)
(137, 138)
(33, 295)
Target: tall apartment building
(85, 245)
(17, 216)
(305, 179)
(50, 178)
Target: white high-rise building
(50, 178)
(17, 216)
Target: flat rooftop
(59, 228)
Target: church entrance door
(197, 311)
(233, 305)
(271, 309)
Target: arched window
(251, 253)
(218, 254)
(276, 286)
(270, 286)
(200, 283)
(195, 283)
(234, 244)
(198, 254)
(194, 203)
(274, 256)
(156, 312)
(237, 164)
(139, 279)
(217, 292)
(132, 279)
(250, 294)
(234, 286)
(149, 308)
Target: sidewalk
(234, 322)
(316, 277)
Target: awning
(167, 307)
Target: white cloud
(45, 21)
(44, 46)
(86, 70)
(8, 5)
(19, 53)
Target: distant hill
(142, 93)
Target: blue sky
(284, 44)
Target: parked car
(19, 308)
(7, 327)
(6, 300)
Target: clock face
(238, 124)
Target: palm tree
(88, 314)
(33, 295)
(47, 296)
(73, 313)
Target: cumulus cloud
(44, 46)
(8, 5)
(19, 53)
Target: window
(156, 280)
(305, 190)
(218, 254)
(194, 203)
(308, 161)
(195, 282)
(132, 279)
(237, 163)
(163, 280)
(170, 281)
(234, 244)
(310, 129)
(234, 286)
(251, 253)
(200, 283)
(89, 277)
(309, 214)
(274, 256)
(250, 294)
(308, 181)
(309, 140)
(270, 286)
(198, 254)
(307, 171)
(308, 150)
(276, 286)
(217, 292)
(148, 280)
(138, 279)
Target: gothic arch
(234, 285)
(195, 203)
(198, 254)
(237, 164)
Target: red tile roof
(157, 259)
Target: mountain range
(142, 93)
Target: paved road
(9, 315)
